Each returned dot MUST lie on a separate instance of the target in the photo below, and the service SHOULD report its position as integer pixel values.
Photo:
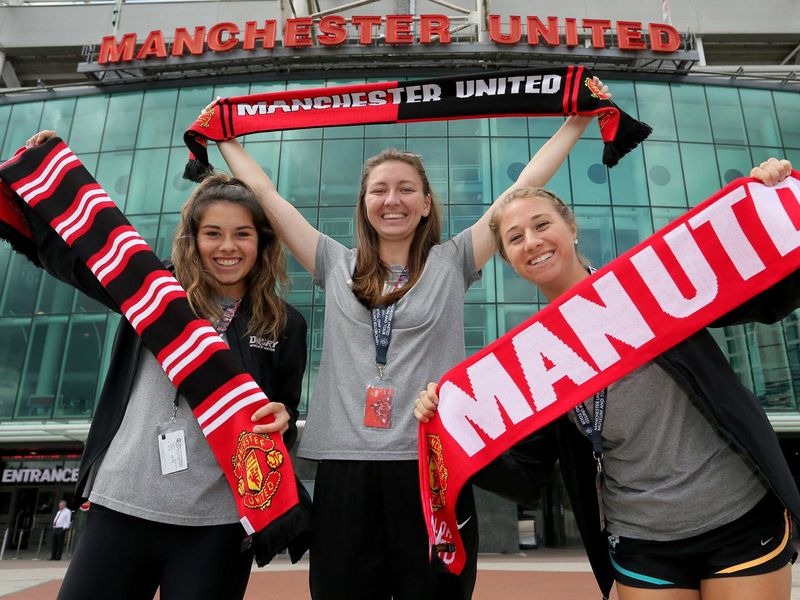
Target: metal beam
(792, 54)
(116, 15)
(8, 77)
(784, 423)
(45, 431)
(461, 9)
(338, 9)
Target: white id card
(172, 446)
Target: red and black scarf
(532, 92)
(741, 241)
(51, 181)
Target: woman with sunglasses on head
(393, 320)
(697, 498)
(177, 529)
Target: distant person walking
(61, 523)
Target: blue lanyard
(382, 326)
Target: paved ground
(539, 575)
(535, 575)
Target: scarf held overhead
(539, 92)
(733, 246)
(51, 181)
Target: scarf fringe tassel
(629, 135)
(291, 531)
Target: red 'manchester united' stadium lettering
(396, 30)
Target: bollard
(19, 542)
(39, 549)
(5, 541)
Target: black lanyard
(382, 318)
(594, 431)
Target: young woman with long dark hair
(179, 532)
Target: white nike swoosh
(765, 542)
(460, 525)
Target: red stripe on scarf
(189, 350)
(79, 217)
(111, 260)
(41, 184)
(576, 86)
(567, 87)
(735, 245)
(222, 398)
(273, 111)
(151, 300)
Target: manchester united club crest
(437, 472)
(596, 90)
(255, 466)
(204, 120)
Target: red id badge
(378, 408)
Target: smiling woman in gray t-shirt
(368, 521)
(677, 482)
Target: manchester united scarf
(540, 92)
(736, 244)
(51, 181)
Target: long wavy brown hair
(266, 282)
(370, 272)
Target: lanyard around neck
(382, 318)
(594, 431)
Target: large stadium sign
(333, 31)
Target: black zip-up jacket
(277, 368)
(702, 371)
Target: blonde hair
(370, 273)
(564, 211)
(266, 281)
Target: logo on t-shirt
(263, 343)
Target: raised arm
(298, 234)
(536, 173)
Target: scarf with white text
(532, 92)
(741, 241)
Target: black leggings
(370, 541)
(127, 558)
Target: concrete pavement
(544, 574)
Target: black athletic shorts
(756, 543)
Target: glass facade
(56, 342)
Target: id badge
(378, 409)
(172, 446)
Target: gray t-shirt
(427, 340)
(129, 479)
(668, 473)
